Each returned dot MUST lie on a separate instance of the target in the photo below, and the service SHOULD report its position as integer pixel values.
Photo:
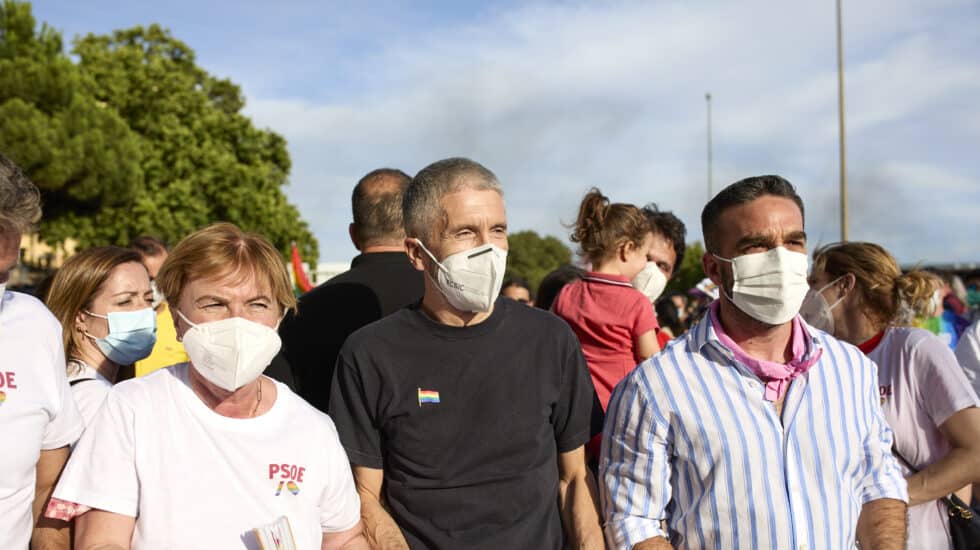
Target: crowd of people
(186, 398)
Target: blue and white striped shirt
(689, 439)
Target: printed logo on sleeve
(289, 477)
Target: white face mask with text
(471, 280)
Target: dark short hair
(148, 246)
(671, 228)
(739, 193)
(377, 206)
(553, 282)
(20, 200)
(518, 282)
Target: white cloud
(559, 97)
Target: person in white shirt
(38, 418)
(199, 454)
(968, 354)
(102, 297)
(861, 296)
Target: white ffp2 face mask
(817, 312)
(650, 281)
(769, 286)
(232, 352)
(471, 280)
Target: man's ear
(351, 230)
(415, 253)
(712, 268)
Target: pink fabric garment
(777, 376)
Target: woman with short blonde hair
(211, 453)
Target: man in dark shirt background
(380, 281)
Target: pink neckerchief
(777, 376)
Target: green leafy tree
(136, 138)
(532, 256)
(690, 271)
(81, 154)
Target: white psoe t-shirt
(196, 479)
(36, 408)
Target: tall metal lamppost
(707, 100)
(840, 118)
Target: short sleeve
(943, 386)
(882, 477)
(340, 507)
(101, 472)
(351, 400)
(66, 423)
(578, 413)
(643, 318)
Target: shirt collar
(704, 333)
(606, 278)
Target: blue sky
(556, 97)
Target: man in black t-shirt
(380, 281)
(466, 415)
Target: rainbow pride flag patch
(428, 396)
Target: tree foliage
(690, 271)
(136, 138)
(531, 256)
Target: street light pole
(840, 118)
(707, 100)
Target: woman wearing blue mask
(102, 298)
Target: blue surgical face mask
(131, 337)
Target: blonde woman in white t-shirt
(211, 453)
(859, 294)
(102, 298)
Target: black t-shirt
(377, 285)
(467, 422)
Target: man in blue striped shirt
(754, 430)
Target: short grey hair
(421, 210)
(20, 200)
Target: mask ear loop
(844, 293)
(721, 288)
(96, 315)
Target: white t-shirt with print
(89, 388)
(196, 479)
(922, 385)
(36, 408)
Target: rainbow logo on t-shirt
(428, 396)
(293, 487)
(3, 397)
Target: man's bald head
(377, 207)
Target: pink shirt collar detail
(777, 376)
